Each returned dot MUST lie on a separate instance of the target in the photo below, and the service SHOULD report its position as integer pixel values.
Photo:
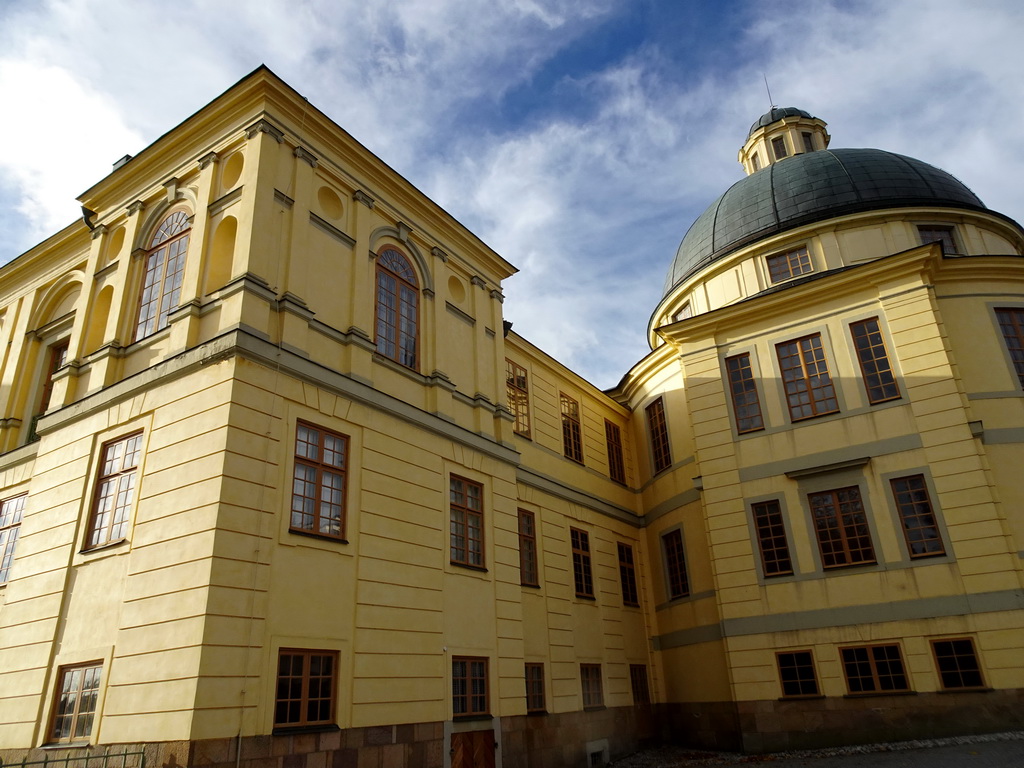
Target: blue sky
(579, 138)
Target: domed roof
(812, 187)
(775, 114)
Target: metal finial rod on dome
(771, 102)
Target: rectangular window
(745, 404)
(535, 687)
(657, 428)
(771, 538)
(572, 438)
(841, 526)
(581, 563)
(916, 516)
(755, 161)
(74, 709)
(874, 669)
(627, 575)
(874, 361)
(616, 465)
(796, 673)
(675, 564)
(57, 359)
(467, 522)
(638, 682)
(115, 488)
(957, 664)
(805, 378)
(685, 311)
(590, 677)
(528, 575)
(305, 688)
(518, 397)
(11, 511)
(779, 147)
(1011, 322)
(318, 481)
(941, 235)
(808, 141)
(783, 266)
(469, 686)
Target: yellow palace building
(281, 488)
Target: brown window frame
(806, 381)
(592, 686)
(529, 565)
(111, 525)
(808, 138)
(846, 525)
(746, 404)
(572, 432)
(875, 368)
(466, 519)
(918, 521)
(1011, 323)
(627, 575)
(536, 701)
(772, 541)
(582, 571)
(616, 463)
(306, 682)
(789, 264)
(755, 162)
(313, 523)
(91, 676)
(164, 271)
(657, 430)
(517, 392)
(779, 148)
(677, 580)
(11, 512)
(882, 680)
(639, 684)
(466, 701)
(944, 235)
(798, 678)
(57, 358)
(953, 669)
(396, 308)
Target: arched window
(165, 265)
(397, 308)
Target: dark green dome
(775, 114)
(813, 187)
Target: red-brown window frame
(517, 392)
(877, 674)
(77, 713)
(536, 700)
(960, 669)
(627, 575)
(792, 263)
(875, 369)
(466, 703)
(164, 269)
(100, 533)
(779, 148)
(771, 538)
(466, 523)
(847, 523)
(794, 674)
(583, 575)
(592, 686)
(400, 318)
(572, 433)
(1011, 323)
(57, 357)
(657, 429)
(804, 370)
(675, 564)
(746, 405)
(528, 563)
(307, 680)
(616, 465)
(917, 516)
(321, 472)
(639, 684)
(11, 512)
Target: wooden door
(473, 749)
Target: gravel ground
(994, 750)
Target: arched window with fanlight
(165, 265)
(397, 308)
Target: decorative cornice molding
(99, 229)
(135, 207)
(439, 253)
(283, 199)
(496, 294)
(209, 157)
(404, 230)
(264, 126)
(304, 154)
(363, 198)
(478, 282)
(171, 189)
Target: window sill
(529, 586)
(591, 598)
(468, 567)
(66, 745)
(595, 708)
(471, 718)
(318, 536)
(537, 713)
(103, 547)
(287, 730)
(877, 694)
(806, 697)
(966, 690)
